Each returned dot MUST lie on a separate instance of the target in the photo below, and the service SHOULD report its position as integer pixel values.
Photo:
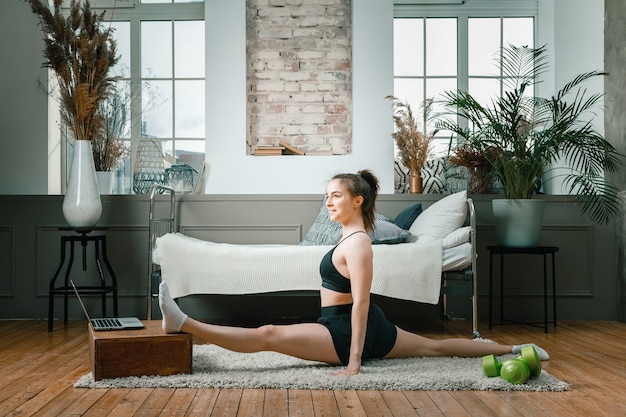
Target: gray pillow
(387, 233)
(324, 231)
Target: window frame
(134, 14)
(463, 11)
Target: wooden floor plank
(252, 402)
(399, 404)
(300, 403)
(228, 402)
(202, 403)
(155, 403)
(374, 404)
(38, 370)
(349, 404)
(324, 403)
(179, 403)
(423, 404)
(131, 402)
(448, 404)
(276, 403)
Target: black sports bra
(331, 278)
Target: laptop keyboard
(107, 323)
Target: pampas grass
(80, 51)
(413, 143)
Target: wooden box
(147, 351)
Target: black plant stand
(537, 250)
(82, 235)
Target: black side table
(538, 250)
(82, 235)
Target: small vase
(415, 183)
(105, 181)
(81, 205)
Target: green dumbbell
(530, 356)
(491, 366)
(514, 370)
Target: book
(290, 150)
(269, 150)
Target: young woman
(351, 328)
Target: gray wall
(23, 104)
(615, 122)
(29, 239)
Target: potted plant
(414, 144)
(109, 150)
(521, 135)
(80, 51)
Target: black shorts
(380, 336)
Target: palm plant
(521, 134)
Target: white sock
(173, 317)
(543, 355)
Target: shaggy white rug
(214, 367)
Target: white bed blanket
(408, 271)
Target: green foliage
(521, 134)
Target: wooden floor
(38, 369)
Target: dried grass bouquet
(81, 51)
(413, 143)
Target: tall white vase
(81, 205)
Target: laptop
(100, 324)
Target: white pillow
(457, 237)
(441, 218)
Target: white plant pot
(518, 222)
(81, 205)
(106, 179)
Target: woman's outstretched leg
(411, 344)
(310, 341)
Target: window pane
(190, 152)
(189, 49)
(435, 87)
(156, 49)
(116, 111)
(518, 31)
(410, 91)
(441, 47)
(189, 109)
(483, 45)
(121, 34)
(408, 41)
(157, 120)
(484, 90)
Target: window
(161, 89)
(448, 47)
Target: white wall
(573, 29)
(231, 171)
(576, 41)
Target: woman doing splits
(351, 328)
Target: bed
(421, 256)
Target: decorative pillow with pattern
(400, 177)
(433, 176)
(324, 231)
